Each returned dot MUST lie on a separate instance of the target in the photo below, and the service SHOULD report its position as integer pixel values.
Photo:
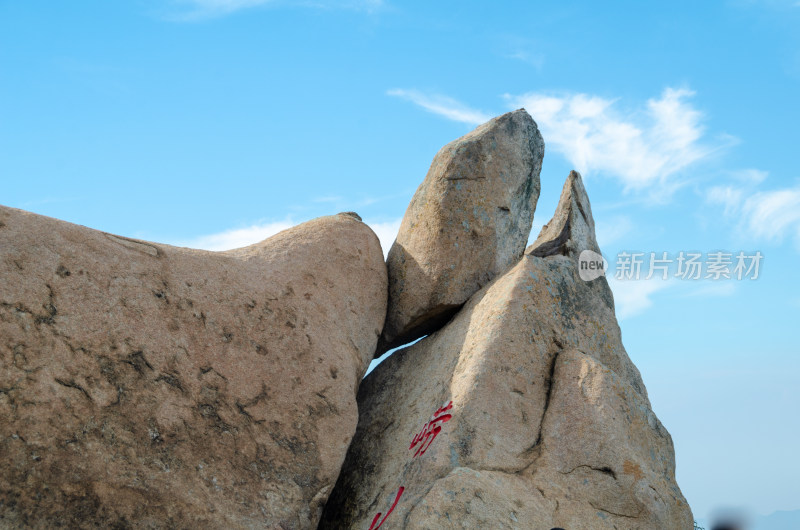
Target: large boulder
(468, 222)
(143, 385)
(524, 411)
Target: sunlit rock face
(468, 222)
(524, 411)
(148, 386)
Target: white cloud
(386, 232)
(199, 9)
(645, 148)
(524, 49)
(611, 230)
(728, 196)
(750, 176)
(237, 237)
(767, 215)
(732, 196)
(222, 7)
(330, 198)
(242, 237)
(633, 297)
(442, 105)
(772, 215)
(532, 58)
(712, 288)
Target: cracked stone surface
(549, 424)
(468, 221)
(143, 385)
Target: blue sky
(215, 123)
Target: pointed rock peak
(571, 230)
(513, 117)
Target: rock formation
(143, 385)
(524, 411)
(148, 386)
(468, 222)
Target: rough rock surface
(143, 385)
(468, 222)
(571, 230)
(525, 408)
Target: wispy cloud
(532, 58)
(345, 203)
(524, 49)
(634, 297)
(770, 215)
(212, 8)
(237, 237)
(328, 198)
(613, 229)
(185, 10)
(728, 196)
(749, 176)
(242, 237)
(442, 105)
(386, 232)
(646, 148)
(711, 288)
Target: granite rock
(149, 386)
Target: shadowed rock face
(468, 222)
(524, 411)
(152, 386)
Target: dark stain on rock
(170, 379)
(73, 384)
(161, 295)
(138, 361)
(209, 412)
(50, 308)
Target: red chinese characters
(378, 515)
(430, 430)
(423, 439)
